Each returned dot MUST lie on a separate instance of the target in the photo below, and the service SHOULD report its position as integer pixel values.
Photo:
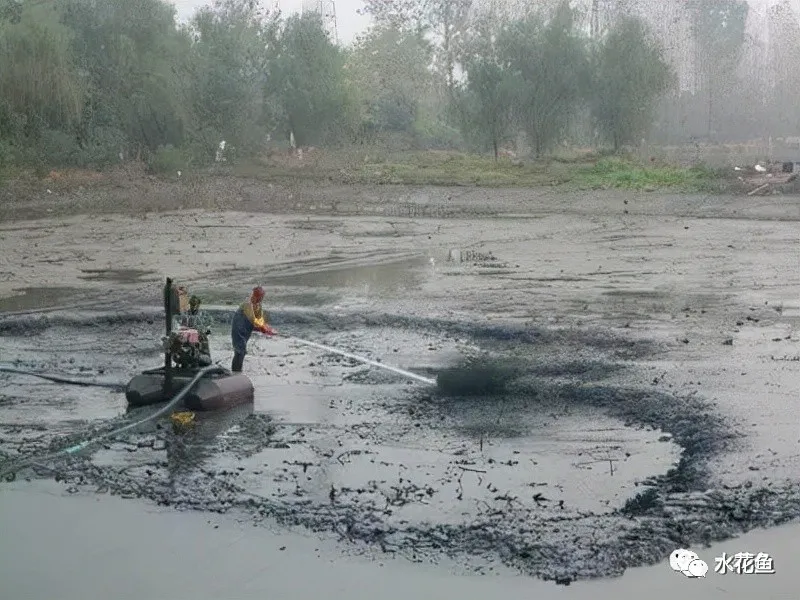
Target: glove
(267, 330)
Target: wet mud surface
(605, 392)
(523, 454)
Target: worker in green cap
(195, 320)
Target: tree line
(96, 82)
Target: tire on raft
(215, 391)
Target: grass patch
(439, 169)
(168, 160)
(616, 173)
(379, 167)
(581, 171)
(9, 173)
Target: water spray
(362, 359)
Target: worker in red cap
(248, 318)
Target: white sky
(348, 22)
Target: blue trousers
(241, 330)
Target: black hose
(85, 444)
(56, 379)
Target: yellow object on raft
(182, 420)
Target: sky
(348, 22)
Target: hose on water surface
(58, 379)
(104, 436)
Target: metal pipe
(168, 305)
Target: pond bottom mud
(528, 454)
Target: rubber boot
(237, 363)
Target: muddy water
(337, 281)
(329, 440)
(677, 317)
(586, 460)
(531, 463)
(376, 278)
(117, 275)
(39, 298)
(566, 471)
(86, 547)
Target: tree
(307, 81)
(486, 103)
(232, 44)
(133, 62)
(784, 113)
(398, 14)
(41, 90)
(450, 20)
(11, 10)
(388, 68)
(485, 100)
(719, 30)
(630, 76)
(39, 81)
(549, 62)
(446, 20)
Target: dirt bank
(640, 359)
(129, 190)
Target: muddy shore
(617, 373)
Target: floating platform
(215, 391)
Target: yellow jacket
(254, 314)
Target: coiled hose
(10, 471)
